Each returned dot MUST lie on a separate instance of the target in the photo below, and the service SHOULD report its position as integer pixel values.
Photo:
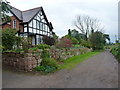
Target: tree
(4, 5)
(8, 38)
(69, 32)
(77, 35)
(86, 24)
(97, 40)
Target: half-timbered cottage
(30, 23)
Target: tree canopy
(4, 6)
(86, 24)
(97, 40)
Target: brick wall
(10, 25)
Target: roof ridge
(16, 8)
(31, 9)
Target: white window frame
(14, 23)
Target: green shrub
(116, 52)
(43, 46)
(49, 69)
(40, 68)
(49, 62)
(8, 38)
(19, 50)
(33, 49)
(86, 43)
(45, 54)
(26, 43)
(45, 69)
(47, 65)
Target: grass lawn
(72, 62)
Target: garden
(66, 52)
(54, 53)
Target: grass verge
(72, 62)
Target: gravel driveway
(100, 71)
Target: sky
(62, 13)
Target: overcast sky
(62, 13)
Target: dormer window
(14, 23)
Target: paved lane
(100, 71)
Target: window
(41, 39)
(38, 25)
(41, 26)
(30, 30)
(37, 31)
(34, 30)
(40, 32)
(25, 29)
(14, 23)
(45, 27)
(34, 23)
(38, 39)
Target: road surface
(100, 71)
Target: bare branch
(86, 24)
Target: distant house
(30, 23)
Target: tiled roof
(25, 16)
(16, 12)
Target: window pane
(46, 27)
(25, 29)
(34, 23)
(41, 26)
(30, 30)
(40, 32)
(14, 23)
(37, 31)
(38, 39)
(38, 24)
(41, 39)
(34, 30)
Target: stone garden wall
(28, 61)
(21, 61)
(61, 54)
